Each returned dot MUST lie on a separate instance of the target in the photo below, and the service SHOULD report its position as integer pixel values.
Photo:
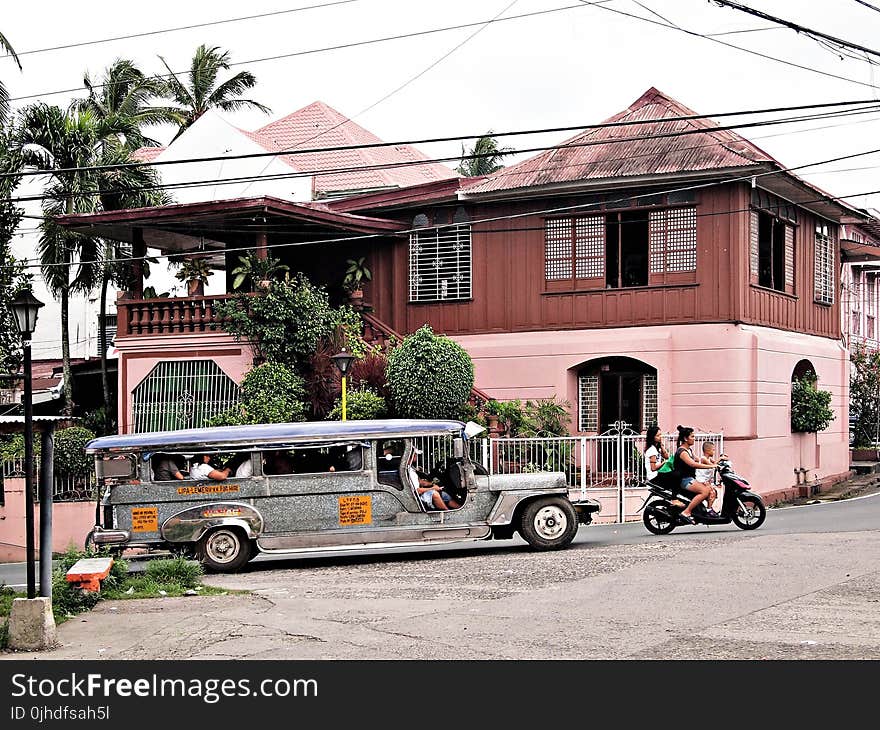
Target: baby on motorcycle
(685, 467)
(707, 476)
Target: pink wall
(140, 354)
(71, 522)
(731, 378)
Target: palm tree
(126, 92)
(59, 140)
(202, 92)
(483, 158)
(4, 95)
(123, 96)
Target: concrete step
(865, 467)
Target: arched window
(616, 389)
(181, 394)
(804, 369)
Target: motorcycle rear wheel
(656, 522)
(750, 513)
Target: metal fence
(609, 467)
(67, 487)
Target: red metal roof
(147, 154)
(318, 125)
(594, 158)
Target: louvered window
(823, 274)
(181, 394)
(673, 240)
(440, 264)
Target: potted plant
(356, 273)
(260, 271)
(195, 272)
(492, 410)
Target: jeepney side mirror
(458, 447)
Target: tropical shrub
(429, 376)
(283, 323)
(810, 411)
(370, 371)
(270, 393)
(546, 417)
(70, 459)
(361, 404)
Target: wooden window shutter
(789, 259)
(753, 246)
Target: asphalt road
(804, 586)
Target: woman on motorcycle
(655, 452)
(685, 467)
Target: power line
(795, 26)
(512, 216)
(868, 5)
(413, 163)
(99, 41)
(353, 44)
(739, 48)
(431, 140)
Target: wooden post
(261, 251)
(138, 251)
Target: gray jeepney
(316, 486)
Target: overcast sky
(574, 66)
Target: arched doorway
(616, 389)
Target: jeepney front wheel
(225, 549)
(549, 523)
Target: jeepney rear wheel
(549, 523)
(225, 549)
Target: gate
(609, 467)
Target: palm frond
(7, 46)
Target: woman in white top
(655, 452)
(205, 470)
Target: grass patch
(162, 578)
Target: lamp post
(343, 361)
(24, 308)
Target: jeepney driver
(430, 492)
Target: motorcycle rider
(685, 467)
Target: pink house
(657, 270)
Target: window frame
(419, 261)
(824, 239)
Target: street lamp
(25, 307)
(343, 361)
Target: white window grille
(824, 266)
(673, 240)
(181, 394)
(574, 246)
(440, 264)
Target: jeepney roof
(270, 434)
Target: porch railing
(168, 315)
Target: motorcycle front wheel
(750, 513)
(656, 520)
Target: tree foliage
(200, 90)
(483, 158)
(283, 323)
(70, 458)
(429, 376)
(864, 395)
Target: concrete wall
(731, 378)
(71, 522)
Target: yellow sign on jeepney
(355, 510)
(145, 519)
(208, 489)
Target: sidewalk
(857, 486)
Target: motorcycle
(666, 500)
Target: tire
(753, 516)
(656, 521)
(549, 523)
(225, 550)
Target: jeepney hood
(552, 481)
